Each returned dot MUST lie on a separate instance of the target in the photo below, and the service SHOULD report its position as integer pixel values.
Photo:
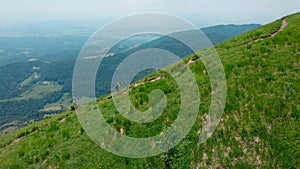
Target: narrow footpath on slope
(284, 24)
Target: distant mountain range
(50, 41)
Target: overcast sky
(199, 12)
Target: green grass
(29, 80)
(37, 92)
(259, 128)
(63, 102)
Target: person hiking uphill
(118, 87)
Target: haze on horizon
(200, 12)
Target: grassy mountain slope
(15, 75)
(259, 128)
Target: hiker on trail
(118, 87)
